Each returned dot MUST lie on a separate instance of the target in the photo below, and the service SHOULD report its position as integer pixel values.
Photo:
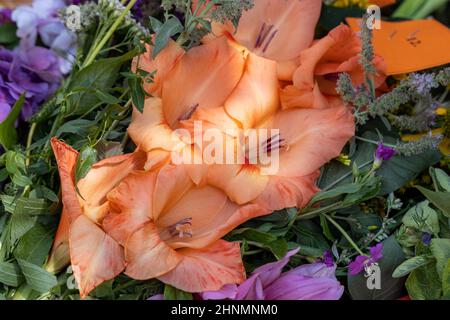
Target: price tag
(410, 46)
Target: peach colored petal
(242, 183)
(95, 256)
(161, 66)
(208, 269)
(149, 130)
(172, 183)
(279, 30)
(66, 157)
(147, 256)
(313, 137)
(256, 96)
(203, 78)
(287, 192)
(130, 205)
(293, 97)
(102, 178)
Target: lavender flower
(5, 15)
(41, 18)
(32, 70)
(315, 281)
(361, 262)
(422, 83)
(328, 258)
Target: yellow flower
(344, 159)
(347, 3)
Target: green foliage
(171, 293)
(8, 134)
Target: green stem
(345, 176)
(29, 141)
(345, 234)
(315, 213)
(108, 35)
(374, 142)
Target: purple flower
(314, 281)
(426, 238)
(33, 70)
(5, 15)
(361, 262)
(422, 82)
(41, 18)
(328, 258)
(384, 153)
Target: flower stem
(344, 233)
(374, 142)
(108, 35)
(29, 141)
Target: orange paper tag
(382, 3)
(410, 46)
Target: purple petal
(376, 252)
(316, 270)
(251, 289)
(157, 297)
(271, 271)
(297, 287)
(228, 291)
(357, 265)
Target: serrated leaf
(34, 245)
(411, 264)
(10, 274)
(98, 76)
(36, 277)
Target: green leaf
(440, 178)
(107, 98)
(344, 189)
(326, 228)
(155, 24)
(422, 217)
(411, 264)
(78, 126)
(439, 199)
(10, 274)
(8, 33)
(98, 76)
(137, 93)
(170, 28)
(172, 293)
(34, 245)
(424, 284)
(32, 207)
(8, 133)
(391, 288)
(20, 224)
(446, 280)
(278, 247)
(36, 277)
(85, 160)
(441, 251)
(21, 180)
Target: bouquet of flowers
(224, 149)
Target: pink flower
(314, 281)
(360, 262)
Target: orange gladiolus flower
(149, 223)
(202, 78)
(277, 30)
(78, 232)
(308, 139)
(314, 81)
(170, 229)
